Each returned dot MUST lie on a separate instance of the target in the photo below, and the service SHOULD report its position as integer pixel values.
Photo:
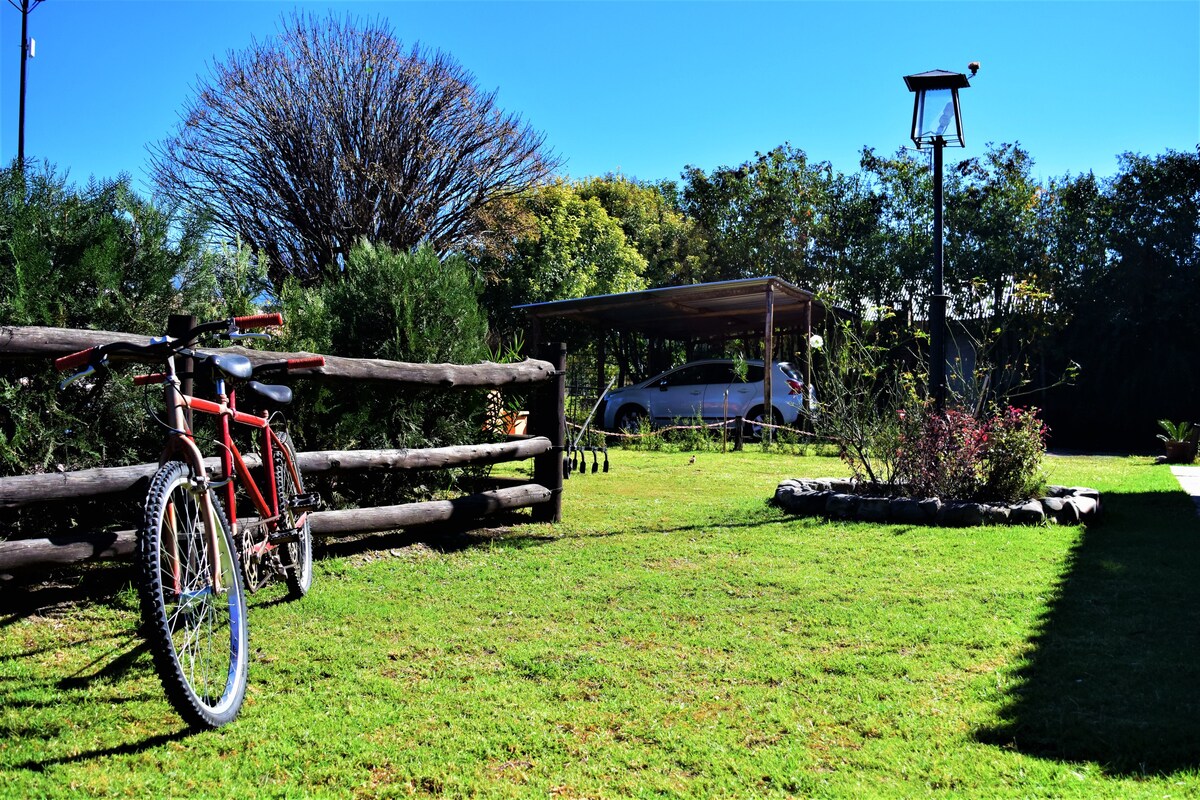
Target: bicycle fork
(181, 446)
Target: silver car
(710, 390)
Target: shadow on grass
(129, 748)
(1113, 676)
(500, 530)
(52, 591)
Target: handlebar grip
(75, 359)
(259, 321)
(305, 363)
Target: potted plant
(1180, 440)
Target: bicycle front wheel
(193, 606)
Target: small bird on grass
(692, 460)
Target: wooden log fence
(20, 490)
(543, 495)
(70, 548)
(22, 341)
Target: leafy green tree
(758, 218)
(850, 246)
(402, 306)
(572, 248)
(994, 240)
(1133, 321)
(652, 224)
(100, 257)
(904, 187)
(97, 257)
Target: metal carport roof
(717, 310)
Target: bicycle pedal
(283, 537)
(309, 501)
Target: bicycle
(194, 563)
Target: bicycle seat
(228, 364)
(280, 395)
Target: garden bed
(842, 498)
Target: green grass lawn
(674, 636)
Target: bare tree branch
(332, 132)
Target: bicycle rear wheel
(197, 631)
(295, 557)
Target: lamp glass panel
(936, 117)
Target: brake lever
(68, 381)
(236, 336)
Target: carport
(744, 308)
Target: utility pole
(25, 7)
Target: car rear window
(790, 371)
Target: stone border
(844, 499)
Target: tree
(97, 257)
(573, 248)
(849, 246)
(660, 232)
(905, 188)
(331, 133)
(1133, 321)
(758, 218)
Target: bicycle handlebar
(259, 321)
(158, 348)
(290, 365)
(75, 359)
(162, 347)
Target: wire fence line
(732, 423)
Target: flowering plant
(1012, 463)
(953, 455)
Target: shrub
(1012, 463)
(941, 455)
(862, 384)
(953, 455)
(401, 306)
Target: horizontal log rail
(22, 490)
(59, 550)
(53, 342)
(544, 494)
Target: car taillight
(795, 387)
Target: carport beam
(768, 364)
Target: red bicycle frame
(232, 462)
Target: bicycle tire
(198, 637)
(295, 557)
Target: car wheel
(754, 420)
(629, 419)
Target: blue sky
(649, 88)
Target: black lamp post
(25, 7)
(937, 122)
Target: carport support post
(601, 366)
(548, 417)
(808, 368)
(768, 361)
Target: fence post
(548, 417)
(739, 433)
